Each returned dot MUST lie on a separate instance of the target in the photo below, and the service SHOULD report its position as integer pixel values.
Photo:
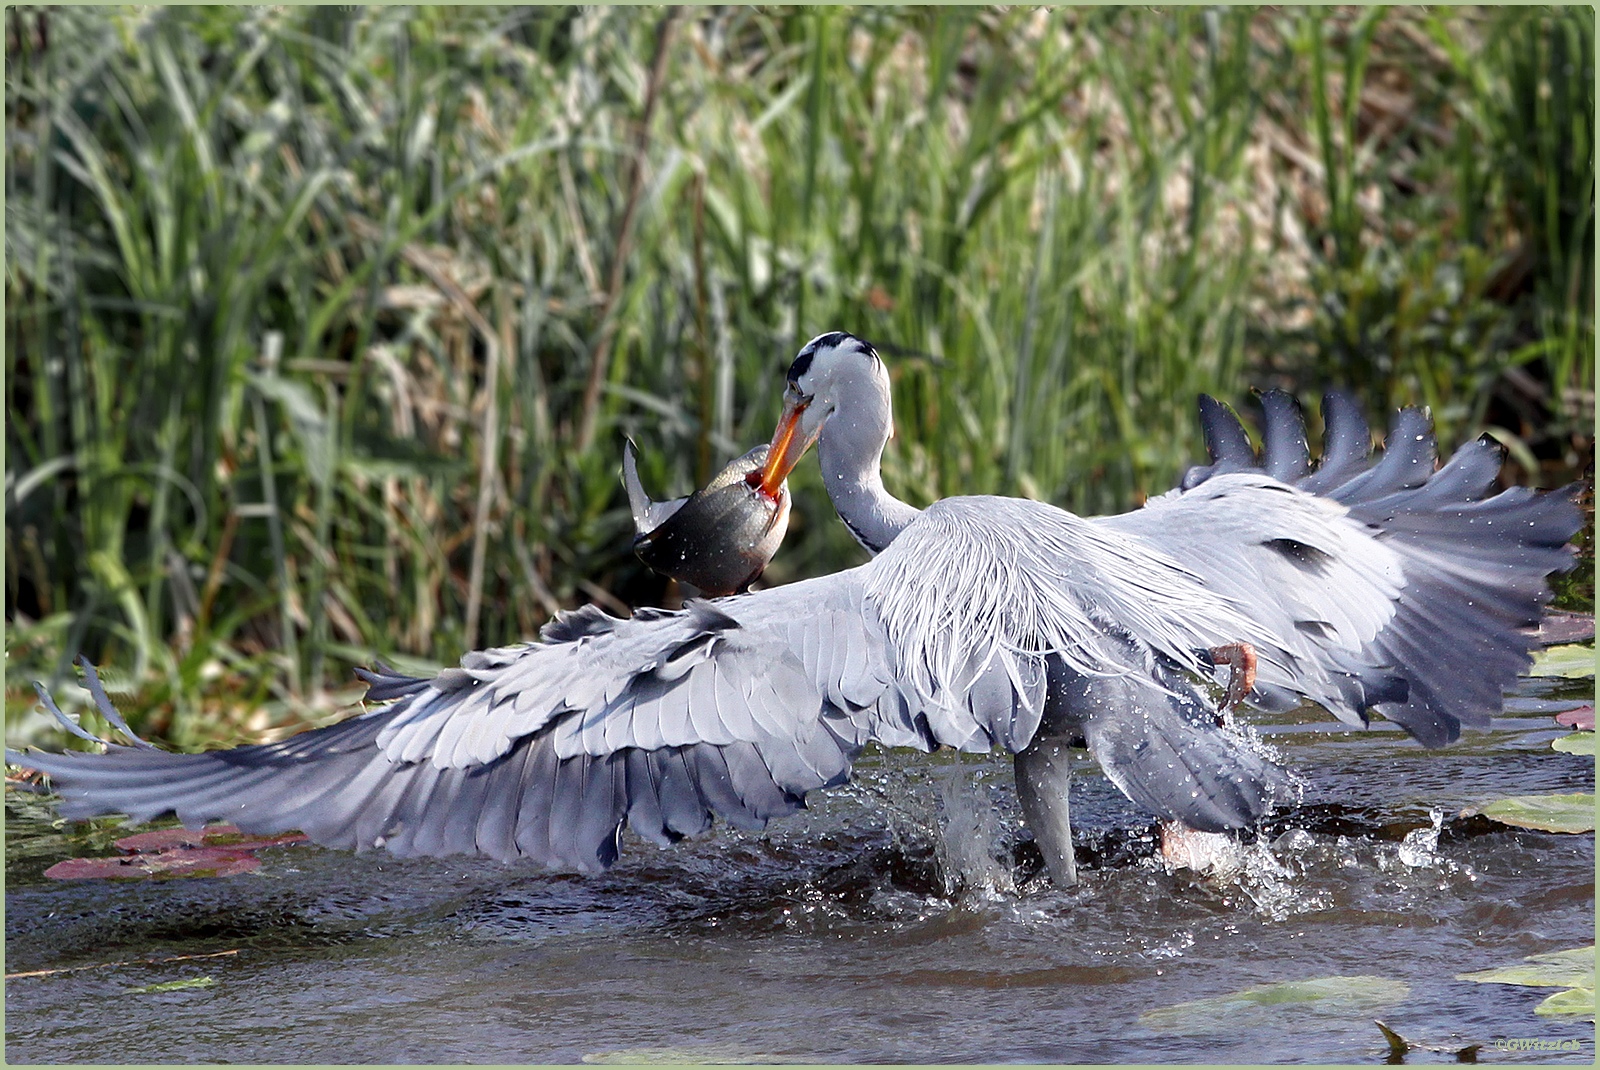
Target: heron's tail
(1475, 566)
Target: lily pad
(172, 986)
(1579, 717)
(160, 865)
(214, 851)
(1575, 660)
(1546, 813)
(1329, 995)
(1572, 968)
(210, 836)
(1572, 1001)
(1565, 626)
(1577, 743)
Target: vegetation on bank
(324, 326)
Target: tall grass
(324, 326)
(1457, 228)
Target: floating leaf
(1564, 626)
(123, 962)
(1572, 1001)
(172, 986)
(161, 865)
(1577, 743)
(1546, 813)
(1572, 968)
(214, 851)
(210, 836)
(1580, 717)
(1335, 995)
(1575, 660)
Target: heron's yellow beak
(788, 446)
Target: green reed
(324, 326)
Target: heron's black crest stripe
(802, 362)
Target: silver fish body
(719, 539)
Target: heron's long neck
(850, 451)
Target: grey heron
(1354, 586)
(979, 622)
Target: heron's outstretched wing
(544, 750)
(1389, 585)
(736, 707)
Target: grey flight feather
(1162, 743)
(737, 725)
(102, 702)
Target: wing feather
(1389, 585)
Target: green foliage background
(324, 325)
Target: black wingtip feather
(72, 727)
(1225, 436)
(1284, 453)
(1407, 462)
(102, 702)
(1346, 443)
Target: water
(900, 920)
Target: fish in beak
(718, 540)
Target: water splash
(1420, 848)
(970, 859)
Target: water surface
(903, 919)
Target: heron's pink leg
(1181, 846)
(1241, 661)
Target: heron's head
(833, 372)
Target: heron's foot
(1204, 853)
(1240, 658)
